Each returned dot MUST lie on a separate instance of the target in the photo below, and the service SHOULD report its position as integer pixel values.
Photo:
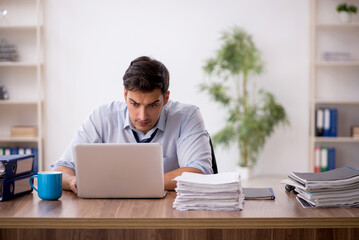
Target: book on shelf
(317, 152)
(8, 52)
(319, 122)
(354, 131)
(4, 95)
(335, 188)
(324, 159)
(326, 122)
(331, 159)
(333, 129)
(336, 56)
(24, 131)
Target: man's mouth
(143, 123)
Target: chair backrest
(214, 162)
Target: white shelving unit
(334, 84)
(23, 27)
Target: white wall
(89, 45)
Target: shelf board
(18, 101)
(337, 64)
(337, 25)
(19, 139)
(18, 64)
(336, 139)
(337, 101)
(19, 27)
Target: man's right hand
(68, 178)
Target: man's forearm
(68, 178)
(168, 176)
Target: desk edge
(178, 223)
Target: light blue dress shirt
(181, 131)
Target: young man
(147, 115)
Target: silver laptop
(129, 170)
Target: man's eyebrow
(133, 100)
(156, 101)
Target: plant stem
(237, 80)
(245, 153)
(245, 109)
(244, 83)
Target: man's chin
(143, 129)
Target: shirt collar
(162, 121)
(127, 123)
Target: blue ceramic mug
(49, 185)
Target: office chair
(214, 163)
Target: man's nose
(142, 113)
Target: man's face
(145, 108)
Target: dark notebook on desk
(258, 194)
(338, 174)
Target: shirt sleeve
(89, 132)
(193, 147)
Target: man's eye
(134, 104)
(154, 105)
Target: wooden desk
(28, 217)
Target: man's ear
(167, 97)
(125, 94)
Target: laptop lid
(128, 170)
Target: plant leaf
(217, 92)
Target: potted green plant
(251, 115)
(346, 11)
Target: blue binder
(331, 158)
(333, 122)
(12, 166)
(35, 151)
(15, 187)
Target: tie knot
(146, 140)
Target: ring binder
(12, 166)
(15, 187)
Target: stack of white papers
(222, 192)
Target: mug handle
(33, 176)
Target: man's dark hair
(146, 74)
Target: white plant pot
(245, 172)
(345, 17)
